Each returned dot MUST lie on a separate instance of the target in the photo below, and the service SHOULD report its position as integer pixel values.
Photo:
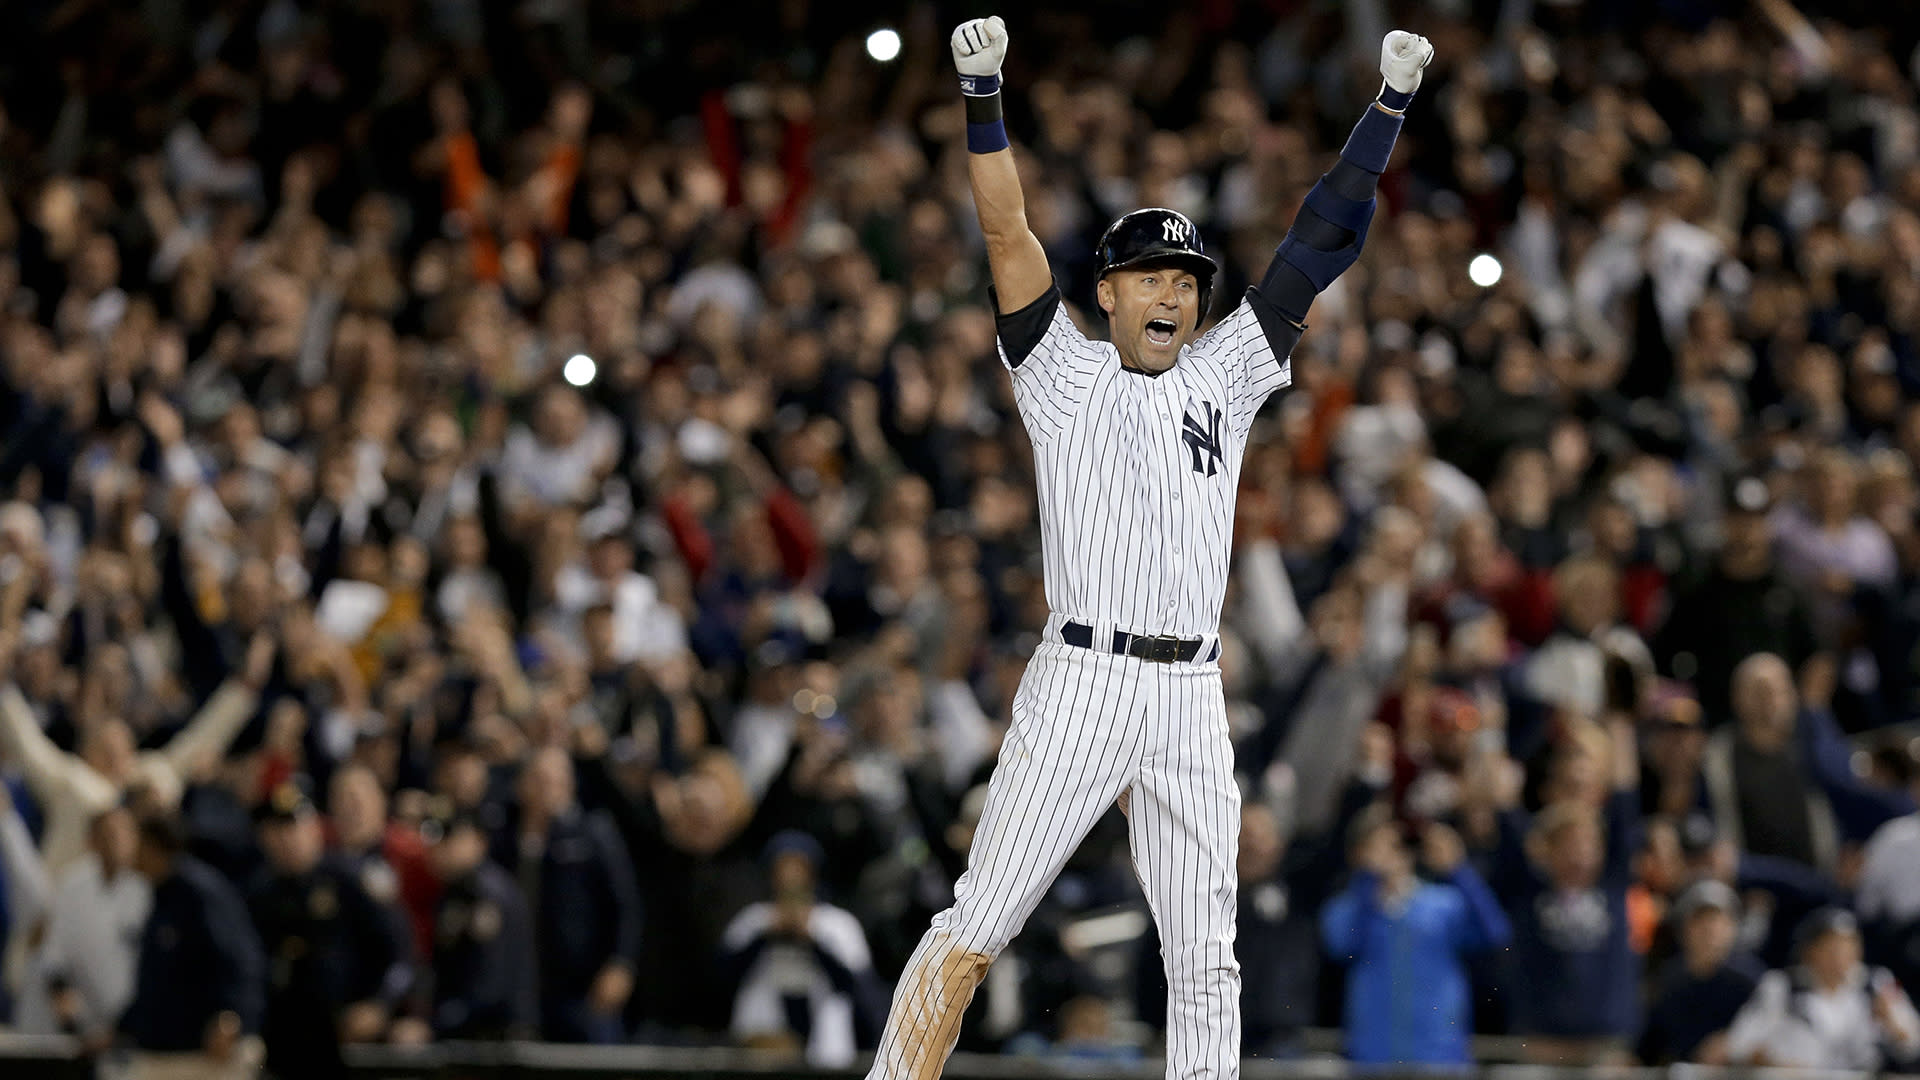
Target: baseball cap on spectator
(1704, 895)
(1822, 922)
(794, 842)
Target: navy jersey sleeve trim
(1021, 331)
(1282, 333)
(1286, 291)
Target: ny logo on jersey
(1203, 438)
(1174, 231)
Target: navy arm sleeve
(1331, 227)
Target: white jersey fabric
(1137, 473)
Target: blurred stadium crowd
(513, 527)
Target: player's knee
(1200, 963)
(970, 931)
(953, 934)
(984, 944)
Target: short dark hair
(163, 833)
(1369, 821)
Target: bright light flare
(884, 44)
(1485, 270)
(580, 369)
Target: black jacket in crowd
(199, 957)
(586, 912)
(328, 945)
(483, 966)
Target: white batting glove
(1402, 57)
(979, 46)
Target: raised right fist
(1403, 56)
(979, 45)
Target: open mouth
(1161, 331)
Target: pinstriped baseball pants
(1086, 727)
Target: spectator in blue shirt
(1405, 941)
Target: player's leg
(1072, 746)
(1184, 830)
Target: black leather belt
(1164, 649)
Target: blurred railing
(529, 1061)
(42, 1058)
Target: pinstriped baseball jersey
(1137, 473)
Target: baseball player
(1137, 445)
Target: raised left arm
(1331, 227)
(1325, 239)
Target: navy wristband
(988, 137)
(979, 85)
(1394, 99)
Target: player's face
(1153, 312)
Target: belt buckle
(1164, 649)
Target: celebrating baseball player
(1137, 445)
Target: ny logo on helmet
(1174, 230)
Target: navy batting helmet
(1157, 236)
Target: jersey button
(1176, 551)
(1176, 496)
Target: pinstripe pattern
(1136, 479)
(1131, 533)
